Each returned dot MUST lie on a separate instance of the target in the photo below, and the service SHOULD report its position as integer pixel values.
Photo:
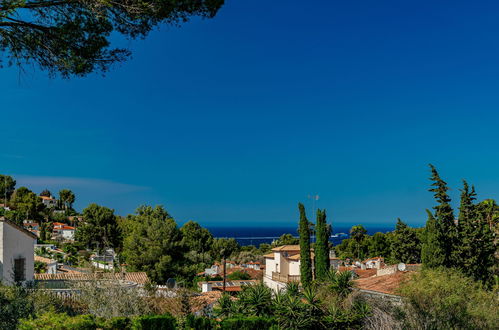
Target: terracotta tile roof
(44, 260)
(253, 273)
(287, 248)
(269, 255)
(384, 284)
(297, 256)
(137, 277)
(47, 198)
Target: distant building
(51, 264)
(63, 231)
(16, 253)
(49, 201)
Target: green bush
(248, 323)
(117, 323)
(154, 322)
(446, 299)
(200, 323)
(59, 321)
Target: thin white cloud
(41, 182)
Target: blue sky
(232, 121)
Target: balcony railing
(285, 278)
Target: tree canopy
(7, 186)
(72, 37)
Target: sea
(258, 235)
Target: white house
(376, 262)
(16, 253)
(49, 201)
(282, 266)
(64, 231)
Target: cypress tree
(482, 259)
(432, 254)
(444, 228)
(305, 260)
(321, 246)
(463, 250)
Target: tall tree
(432, 254)
(358, 234)
(152, 243)
(445, 230)
(7, 187)
(67, 198)
(100, 228)
(196, 238)
(321, 247)
(405, 245)
(305, 258)
(463, 251)
(27, 205)
(482, 259)
(73, 37)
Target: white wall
(294, 268)
(15, 244)
(269, 267)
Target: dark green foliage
(73, 38)
(432, 254)
(445, 299)
(154, 322)
(7, 185)
(238, 275)
(441, 233)
(100, 228)
(153, 244)
(247, 323)
(358, 235)
(26, 205)
(321, 246)
(199, 323)
(256, 300)
(224, 247)
(15, 304)
(66, 199)
(340, 282)
(196, 238)
(305, 259)
(474, 251)
(405, 245)
(379, 245)
(286, 239)
(117, 323)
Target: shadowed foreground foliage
(72, 37)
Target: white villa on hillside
(282, 266)
(16, 253)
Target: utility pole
(225, 261)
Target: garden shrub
(58, 321)
(154, 322)
(248, 323)
(446, 299)
(199, 323)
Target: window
(19, 269)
